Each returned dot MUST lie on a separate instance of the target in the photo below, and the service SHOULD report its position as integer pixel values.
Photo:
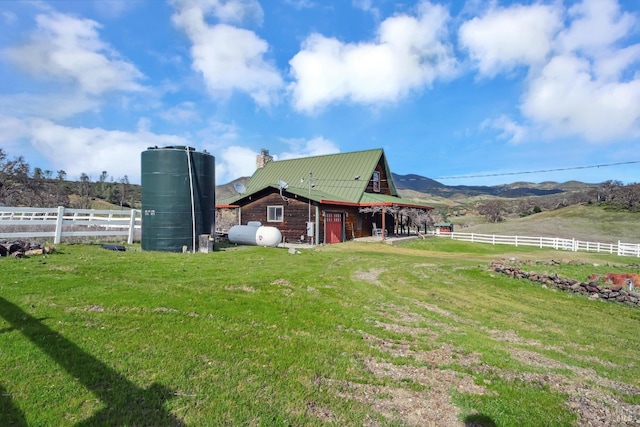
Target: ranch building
(323, 199)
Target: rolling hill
(514, 190)
(428, 188)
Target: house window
(376, 182)
(275, 213)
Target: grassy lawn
(347, 335)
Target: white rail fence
(621, 249)
(62, 222)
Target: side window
(376, 182)
(275, 213)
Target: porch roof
(370, 199)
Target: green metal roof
(333, 177)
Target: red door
(333, 227)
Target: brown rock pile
(19, 249)
(594, 290)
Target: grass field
(347, 335)
(583, 222)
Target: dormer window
(376, 181)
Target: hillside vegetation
(583, 222)
(353, 334)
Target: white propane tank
(255, 234)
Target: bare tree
(124, 186)
(607, 190)
(62, 199)
(419, 218)
(84, 199)
(492, 210)
(103, 185)
(14, 180)
(20, 187)
(628, 197)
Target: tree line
(613, 195)
(22, 186)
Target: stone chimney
(263, 158)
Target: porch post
(383, 222)
(396, 224)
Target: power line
(538, 171)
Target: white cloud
(596, 25)
(216, 133)
(612, 65)
(68, 49)
(580, 77)
(505, 38)
(317, 146)
(12, 131)
(566, 99)
(229, 58)
(185, 112)
(66, 105)
(409, 53)
(144, 125)
(234, 162)
(88, 150)
(228, 11)
(585, 89)
(367, 6)
(508, 129)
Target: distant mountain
(430, 186)
(514, 190)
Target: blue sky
(447, 89)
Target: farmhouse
(323, 199)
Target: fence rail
(621, 249)
(63, 222)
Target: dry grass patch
(370, 276)
(244, 288)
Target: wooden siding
(384, 181)
(295, 215)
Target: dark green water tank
(176, 182)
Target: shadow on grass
(10, 414)
(125, 403)
(478, 420)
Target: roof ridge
(326, 155)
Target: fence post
(573, 245)
(516, 240)
(132, 226)
(58, 233)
